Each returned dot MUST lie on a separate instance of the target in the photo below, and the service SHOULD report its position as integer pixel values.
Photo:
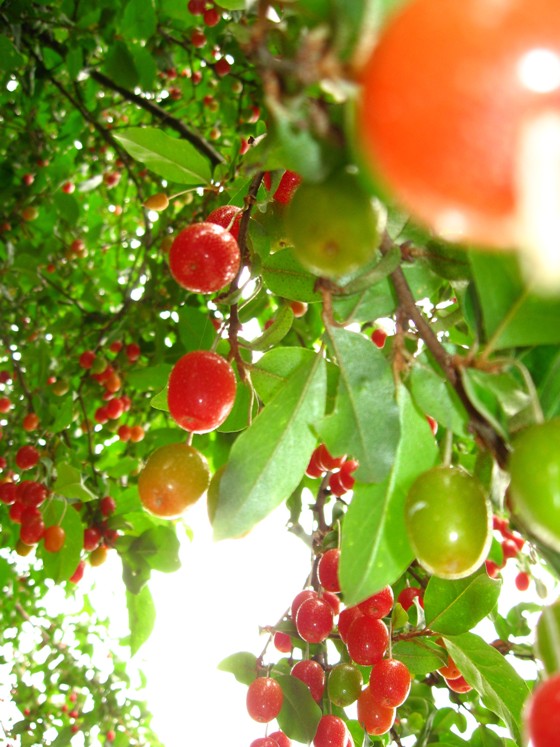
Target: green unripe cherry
(448, 520)
(334, 226)
(344, 684)
(534, 468)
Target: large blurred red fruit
(460, 116)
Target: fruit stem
(447, 448)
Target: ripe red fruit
(228, 217)
(312, 674)
(509, 548)
(450, 671)
(204, 258)
(222, 67)
(78, 574)
(68, 187)
(374, 717)
(326, 460)
(30, 422)
(299, 308)
(211, 17)
(282, 642)
(92, 538)
(333, 600)
(201, 391)
(7, 493)
(281, 739)
(453, 151)
(5, 405)
(114, 409)
(264, 742)
(314, 468)
(327, 570)
(136, 433)
(32, 529)
(314, 620)
(390, 682)
(542, 713)
(331, 732)
(522, 581)
(300, 598)
(31, 493)
(196, 7)
(408, 595)
(337, 484)
(27, 457)
(289, 182)
(378, 337)
(345, 620)
(16, 511)
(86, 359)
(107, 505)
(458, 685)
(264, 699)
(379, 605)
(111, 735)
(198, 40)
(132, 351)
(54, 538)
(124, 433)
(367, 640)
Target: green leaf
(139, 19)
(173, 159)
(64, 415)
(195, 327)
(151, 377)
(453, 607)
(69, 483)
(231, 4)
(300, 714)
(61, 565)
(420, 655)
(67, 207)
(375, 549)
(435, 396)
(286, 277)
(242, 665)
(159, 546)
(269, 459)
(119, 66)
(11, 58)
(492, 676)
(272, 371)
(499, 397)
(365, 421)
(513, 317)
(548, 638)
(274, 334)
(141, 617)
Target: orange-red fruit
(374, 717)
(542, 713)
(201, 391)
(367, 640)
(30, 422)
(450, 671)
(54, 538)
(264, 699)
(327, 570)
(408, 595)
(312, 674)
(331, 732)
(289, 182)
(174, 477)
(228, 217)
(448, 95)
(27, 457)
(378, 605)
(204, 258)
(390, 682)
(458, 685)
(282, 642)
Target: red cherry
(338, 486)
(314, 620)
(78, 574)
(390, 682)
(31, 493)
(133, 352)
(86, 359)
(264, 742)
(374, 717)
(542, 713)
(314, 469)
(331, 732)
(379, 605)
(92, 538)
(333, 600)
(431, 122)
(282, 642)
(281, 739)
(15, 512)
(204, 258)
(264, 699)
(7, 493)
(327, 570)
(68, 187)
(30, 422)
(136, 434)
(326, 460)
(107, 505)
(367, 640)
(198, 40)
(114, 409)
(222, 67)
(458, 685)
(124, 433)
(379, 337)
(312, 674)
(289, 182)
(300, 598)
(211, 17)
(101, 415)
(345, 620)
(450, 671)
(54, 538)
(522, 581)
(509, 549)
(111, 735)
(32, 528)
(28, 179)
(27, 457)
(228, 217)
(5, 405)
(201, 391)
(492, 569)
(196, 7)
(408, 595)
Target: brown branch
(450, 365)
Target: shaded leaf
(286, 277)
(69, 483)
(242, 665)
(141, 617)
(548, 638)
(420, 655)
(453, 607)
(300, 714)
(272, 371)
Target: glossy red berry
(201, 391)
(197, 7)
(379, 337)
(8, 493)
(326, 460)
(282, 642)
(333, 600)
(345, 620)
(281, 739)
(204, 258)
(367, 640)
(27, 457)
(31, 493)
(289, 182)
(132, 351)
(5, 405)
(374, 717)
(107, 505)
(378, 605)
(312, 674)
(92, 538)
(327, 570)
(522, 581)
(300, 598)
(30, 422)
(54, 538)
(458, 685)
(264, 699)
(408, 595)
(314, 620)
(264, 742)
(509, 549)
(78, 574)
(222, 67)
(450, 671)
(331, 732)
(226, 216)
(86, 359)
(32, 529)
(542, 713)
(390, 682)
(211, 17)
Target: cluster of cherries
(511, 543)
(366, 635)
(339, 469)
